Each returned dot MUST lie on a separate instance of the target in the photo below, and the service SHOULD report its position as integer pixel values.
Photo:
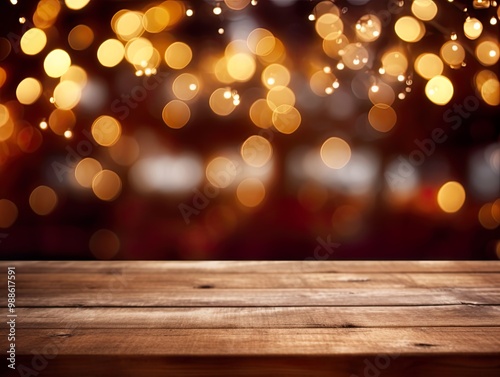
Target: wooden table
(364, 319)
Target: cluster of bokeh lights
(140, 40)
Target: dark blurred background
(398, 197)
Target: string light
(236, 98)
(217, 10)
(350, 53)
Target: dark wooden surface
(256, 318)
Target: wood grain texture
(257, 318)
(262, 281)
(269, 342)
(262, 317)
(260, 267)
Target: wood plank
(285, 317)
(379, 365)
(250, 281)
(268, 342)
(244, 267)
(166, 297)
(258, 318)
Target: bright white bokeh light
(167, 174)
(484, 176)
(358, 177)
(94, 95)
(283, 3)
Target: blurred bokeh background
(239, 129)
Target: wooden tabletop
(329, 318)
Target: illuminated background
(246, 129)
